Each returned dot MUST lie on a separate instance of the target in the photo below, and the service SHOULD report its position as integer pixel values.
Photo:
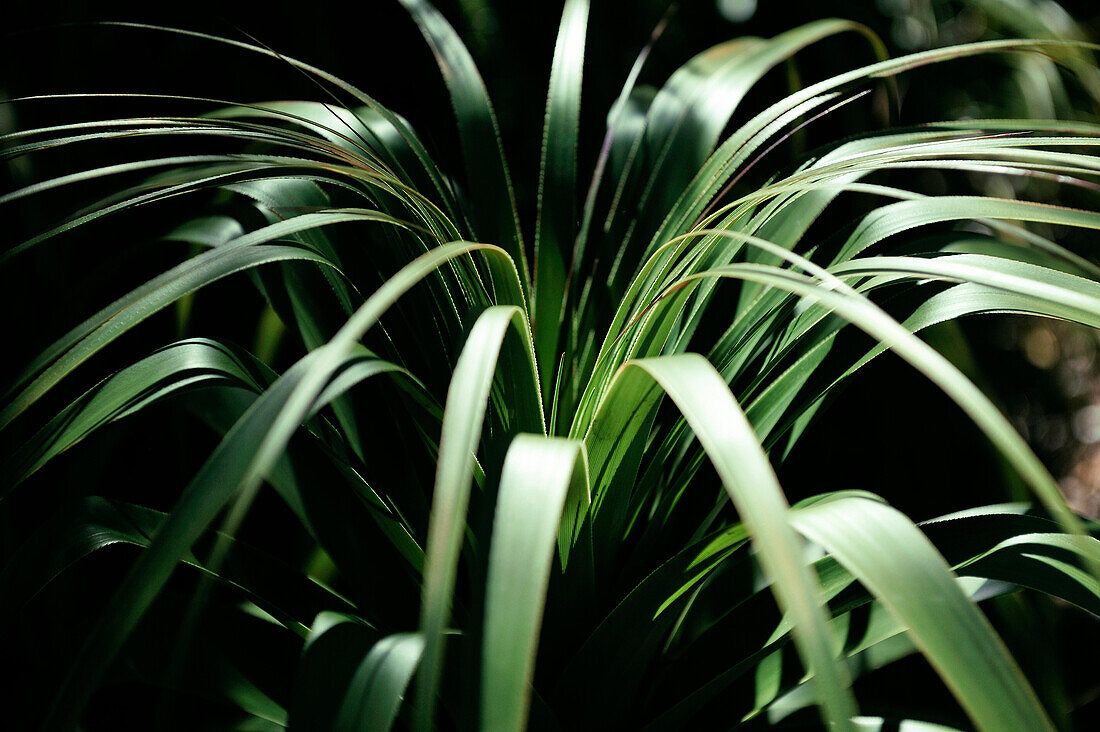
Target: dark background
(891, 433)
(51, 48)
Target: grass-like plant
(571, 564)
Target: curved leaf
(901, 568)
(538, 478)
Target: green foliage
(572, 564)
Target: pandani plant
(501, 458)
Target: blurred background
(886, 434)
(1044, 374)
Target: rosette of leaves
(530, 476)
